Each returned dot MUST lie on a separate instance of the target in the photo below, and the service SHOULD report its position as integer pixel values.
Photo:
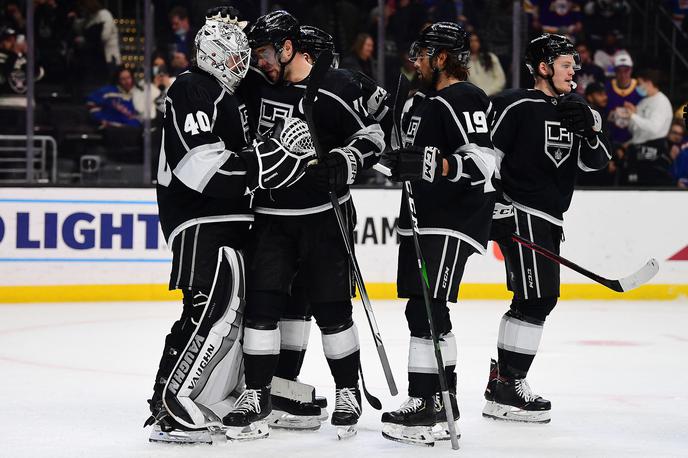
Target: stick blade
(642, 276)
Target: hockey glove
(334, 171)
(374, 95)
(579, 118)
(414, 163)
(284, 155)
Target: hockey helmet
(274, 28)
(222, 50)
(546, 48)
(439, 36)
(315, 40)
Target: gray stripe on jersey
(300, 211)
(456, 120)
(176, 126)
(247, 218)
(496, 126)
(199, 165)
(451, 276)
(443, 231)
(373, 133)
(519, 336)
(217, 100)
(440, 267)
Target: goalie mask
(222, 50)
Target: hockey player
(296, 231)
(544, 136)
(449, 159)
(204, 176)
(296, 322)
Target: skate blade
(412, 435)
(345, 432)
(324, 415)
(257, 430)
(441, 431)
(283, 420)
(181, 437)
(503, 412)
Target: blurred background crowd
(90, 106)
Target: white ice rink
(75, 378)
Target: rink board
(78, 244)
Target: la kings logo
(558, 142)
(411, 130)
(271, 111)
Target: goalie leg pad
(214, 344)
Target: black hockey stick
(317, 74)
(399, 100)
(640, 277)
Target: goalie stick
(640, 277)
(399, 99)
(317, 74)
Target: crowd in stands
(82, 61)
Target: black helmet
(546, 48)
(442, 35)
(315, 40)
(274, 29)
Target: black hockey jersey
(201, 178)
(454, 121)
(341, 120)
(538, 158)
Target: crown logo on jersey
(558, 142)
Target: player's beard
(425, 82)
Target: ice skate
(347, 411)
(321, 401)
(492, 380)
(441, 430)
(412, 423)
(291, 414)
(167, 430)
(246, 421)
(514, 401)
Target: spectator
(648, 160)
(679, 167)
(162, 80)
(676, 138)
(113, 105)
(180, 47)
(601, 15)
(12, 16)
(556, 16)
(361, 57)
(604, 56)
(51, 30)
(589, 72)
(621, 89)
(596, 96)
(485, 70)
(97, 41)
(679, 10)
(13, 69)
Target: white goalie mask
(222, 50)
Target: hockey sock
(341, 347)
(294, 333)
(422, 365)
(517, 344)
(261, 353)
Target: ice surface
(75, 378)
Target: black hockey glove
(334, 171)
(373, 94)
(578, 117)
(414, 163)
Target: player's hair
(456, 67)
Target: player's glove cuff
(351, 164)
(455, 169)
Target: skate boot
(492, 380)
(291, 414)
(246, 421)
(513, 400)
(441, 430)
(167, 430)
(412, 423)
(347, 411)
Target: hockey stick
(399, 99)
(372, 400)
(317, 74)
(640, 277)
